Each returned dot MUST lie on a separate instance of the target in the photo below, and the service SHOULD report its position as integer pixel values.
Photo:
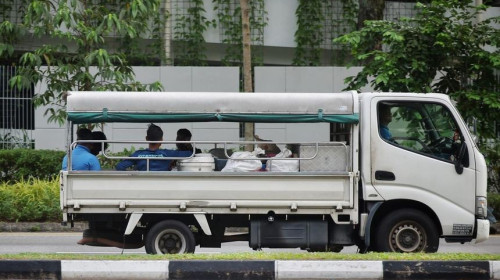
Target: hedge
(494, 202)
(32, 200)
(23, 164)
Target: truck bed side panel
(208, 190)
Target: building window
(17, 112)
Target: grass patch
(263, 256)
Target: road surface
(50, 242)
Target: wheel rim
(408, 237)
(170, 241)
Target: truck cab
(429, 168)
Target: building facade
(286, 61)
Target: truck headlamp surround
(481, 207)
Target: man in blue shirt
(385, 117)
(154, 133)
(81, 156)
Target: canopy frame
(162, 107)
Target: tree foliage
(10, 31)
(443, 49)
(370, 10)
(230, 25)
(190, 24)
(449, 47)
(82, 53)
(317, 21)
(309, 34)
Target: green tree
(309, 34)
(247, 62)
(448, 47)
(82, 54)
(9, 35)
(10, 31)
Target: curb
(193, 269)
(40, 227)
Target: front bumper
(483, 230)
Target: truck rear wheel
(407, 231)
(170, 237)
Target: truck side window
(427, 128)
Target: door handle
(384, 175)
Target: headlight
(481, 207)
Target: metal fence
(12, 10)
(17, 120)
(336, 24)
(395, 10)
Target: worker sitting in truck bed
(270, 149)
(82, 157)
(154, 133)
(183, 134)
(98, 147)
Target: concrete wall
(280, 28)
(180, 79)
(299, 79)
(211, 79)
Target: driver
(384, 118)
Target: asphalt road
(49, 242)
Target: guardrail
(312, 150)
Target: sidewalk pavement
(197, 269)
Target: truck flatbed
(209, 192)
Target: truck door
(414, 148)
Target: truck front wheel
(170, 237)
(407, 231)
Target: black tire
(170, 237)
(407, 231)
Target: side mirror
(459, 167)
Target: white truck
(394, 183)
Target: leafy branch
(81, 57)
(189, 27)
(316, 21)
